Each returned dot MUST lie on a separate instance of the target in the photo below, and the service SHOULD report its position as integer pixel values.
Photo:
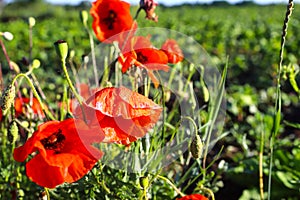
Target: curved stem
(36, 95)
(47, 193)
(171, 184)
(77, 96)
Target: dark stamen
(141, 58)
(110, 20)
(54, 142)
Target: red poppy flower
(148, 58)
(111, 17)
(22, 104)
(64, 153)
(193, 197)
(173, 51)
(123, 115)
(136, 43)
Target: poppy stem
(77, 96)
(171, 184)
(92, 45)
(47, 193)
(35, 93)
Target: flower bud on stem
(61, 47)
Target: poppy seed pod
(61, 48)
(144, 181)
(8, 97)
(84, 17)
(13, 131)
(196, 147)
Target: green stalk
(36, 95)
(277, 114)
(171, 184)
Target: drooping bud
(84, 17)
(7, 99)
(144, 182)
(61, 48)
(8, 36)
(13, 132)
(149, 7)
(196, 147)
(31, 22)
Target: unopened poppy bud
(205, 93)
(8, 98)
(85, 59)
(149, 7)
(72, 54)
(196, 147)
(61, 48)
(144, 181)
(13, 132)
(36, 64)
(31, 22)
(7, 35)
(84, 17)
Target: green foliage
(248, 34)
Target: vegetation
(248, 35)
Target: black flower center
(110, 19)
(54, 142)
(141, 58)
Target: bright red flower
(140, 52)
(173, 51)
(193, 197)
(64, 153)
(136, 43)
(111, 17)
(123, 115)
(22, 105)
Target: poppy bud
(31, 22)
(205, 93)
(13, 131)
(7, 99)
(84, 17)
(149, 7)
(36, 64)
(7, 35)
(72, 54)
(144, 181)
(61, 48)
(196, 147)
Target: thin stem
(36, 95)
(261, 182)
(6, 55)
(207, 190)
(171, 184)
(77, 96)
(93, 57)
(9, 64)
(47, 193)
(277, 114)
